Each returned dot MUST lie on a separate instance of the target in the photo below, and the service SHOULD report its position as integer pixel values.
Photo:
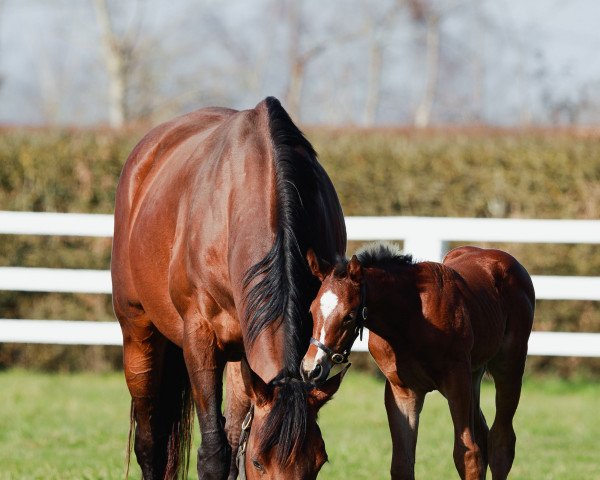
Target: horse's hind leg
(403, 407)
(480, 427)
(157, 380)
(507, 370)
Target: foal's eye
(349, 317)
(257, 465)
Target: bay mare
(215, 211)
(433, 326)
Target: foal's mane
(386, 256)
(383, 255)
(285, 285)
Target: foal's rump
(500, 298)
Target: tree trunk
(423, 111)
(373, 80)
(115, 66)
(293, 95)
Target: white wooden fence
(426, 238)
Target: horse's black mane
(379, 255)
(286, 286)
(286, 426)
(280, 287)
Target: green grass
(75, 427)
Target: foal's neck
(390, 293)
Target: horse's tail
(176, 412)
(129, 440)
(180, 439)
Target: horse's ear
(319, 268)
(319, 396)
(355, 269)
(258, 391)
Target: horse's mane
(284, 289)
(383, 255)
(285, 427)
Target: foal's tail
(176, 413)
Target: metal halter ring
(338, 358)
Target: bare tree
(430, 15)
(424, 13)
(117, 56)
(1, 7)
(298, 58)
(378, 30)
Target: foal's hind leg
(481, 429)
(457, 388)
(507, 370)
(403, 407)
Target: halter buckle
(247, 421)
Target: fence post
(431, 249)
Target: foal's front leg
(456, 387)
(205, 366)
(403, 407)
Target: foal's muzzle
(317, 373)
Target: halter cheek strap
(241, 453)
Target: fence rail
(425, 237)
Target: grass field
(75, 427)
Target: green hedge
(545, 174)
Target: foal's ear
(319, 268)
(319, 396)
(258, 391)
(355, 269)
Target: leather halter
(241, 453)
(361, 318)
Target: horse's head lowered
(338, 313)
(280, 436)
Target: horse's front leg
(403, 407)
(456, 387)
(205, 365)
(237, 406)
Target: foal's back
(498, 294)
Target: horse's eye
(349, 317)
(257, 465)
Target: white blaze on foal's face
(329, 301)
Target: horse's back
(505, 270)
(154, 149)
(157, 193)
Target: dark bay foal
(433, 326)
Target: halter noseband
(361, 318)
